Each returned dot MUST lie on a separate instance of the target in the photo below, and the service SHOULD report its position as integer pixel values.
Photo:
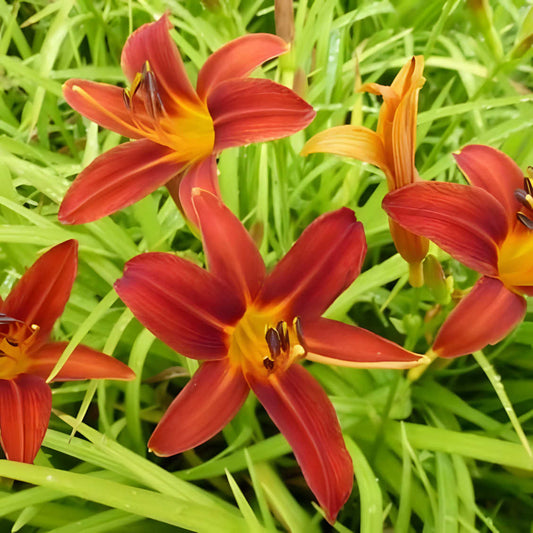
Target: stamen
(127, 98)
(297, 323)
(128, 94)
(268, 364)
(283, 332)
(5, 319)
(274, 343)
(524, 198)
(528, 223)
(154, 105)
(12, 342)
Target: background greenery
(446, 453)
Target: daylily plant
(177, 130)
(27, 356)
(252, 328)
(391, 148)
(488, 227)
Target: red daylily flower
(175, 127)
(391, 148)
(487, 226)
(27, 356)
(251, 328)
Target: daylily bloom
(391, 148)
(251, 329)
(27, 356)
(487, 226)
(176, 128)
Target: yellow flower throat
(15, 339)
(515, 264)
(188, 130)
(263, 344)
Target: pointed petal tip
(206, 404)
(70, 246)
(491, 311)
(293, 399)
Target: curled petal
(303, 413)
(237, 59)
(408, 81)
(351, 141)
(207, 403)
(485, 316)
(231, 253)
(104, 104)
(83, 363)
(322, 263)
(203, 175)
(410, 76)
(467, 222)
(152, 42)
(116, 179)
(251, 110)
(334, 343)
(41, 294)
(25, 407)
(180, 303)
(404, 140)
(493, 171)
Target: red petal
(335, 343)
(116, 179)
(104, 104)
(25, 407)
(485, 316)
(231, 253)
(40, 295)
(467, 222)
(152, 43)
(303, 413)
(495, 172)
(83, 363)
(323, 262)
(203, 175)
(250, 110)
(207, 403)
(237, 59)
(179, 302)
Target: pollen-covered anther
(154, 103)
(528, 223)
(283, 332)
(273, 341)
(281, 352)
(146, 82)
(128, 94)
(525, 197)
(297, 323)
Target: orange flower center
(515, 263)
(187, 128)
(261, 343)
(15, 339)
